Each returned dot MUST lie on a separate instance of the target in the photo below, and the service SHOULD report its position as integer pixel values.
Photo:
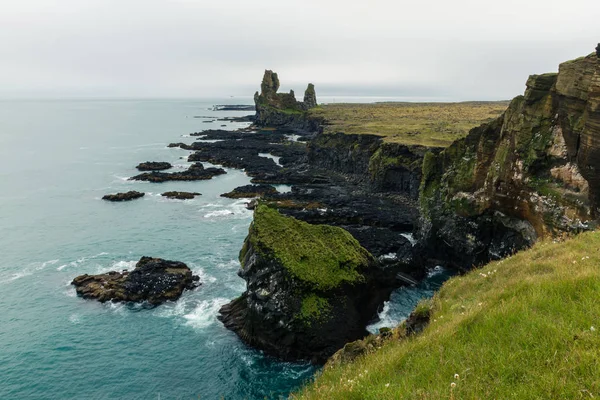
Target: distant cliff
(533, 172)
(282, 110)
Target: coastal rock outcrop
(533, 172)
(282, 110)
(180, 195)
(195, 172)
(127, 196)
(310, 288)
(153, 280)
(153, 166)
(249, 191)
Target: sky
(451, 50)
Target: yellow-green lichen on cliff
(321, 256)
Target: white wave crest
(205, 314)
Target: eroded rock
(195, 172)
(153, 280)
(127, 196)
(153, 166)
(180, 195)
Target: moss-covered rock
(310, 288)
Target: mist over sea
(57, 159)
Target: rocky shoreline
(529, 174)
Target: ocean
(57, 159)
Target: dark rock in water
(234, 107)
(131, 195)
(310, 289)
(181, 195)
(195, 172)
(153, 166)
(153, 280)
(248, 191)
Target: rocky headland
(153, 280)
(310, 288)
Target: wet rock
(153, 166)
(153, 280)
(195, 172)
(249, 191)
(181, 195)
(310, 289)
(131, 195)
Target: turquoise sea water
(57, 159)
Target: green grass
(321, 256)
(428, 124)
(527, 327)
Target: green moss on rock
(314, 308)
(321, 256)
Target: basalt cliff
(534, 172)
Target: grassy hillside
(527, 327)
(429, 124)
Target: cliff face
(282, 110)
(534, 172)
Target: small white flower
(593, 329)
(456, 376)
(387, 385)
(452, 385)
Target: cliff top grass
(321, 256)
(427, 124)
(527, 327)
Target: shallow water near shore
(57, 159)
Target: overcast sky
(448, 49)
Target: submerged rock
(153, 166)
(195, 172)
(181, 195)
(310, 288)
(153, 280)
(127, 196)
(248, 191)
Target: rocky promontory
(127, 196)
(310, 288)
(282, 110)
(153, 280)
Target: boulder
(181, 195)
(153, 166)
(131, 195)
(153, 280)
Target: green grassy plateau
(428, 124)
(526, 327)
